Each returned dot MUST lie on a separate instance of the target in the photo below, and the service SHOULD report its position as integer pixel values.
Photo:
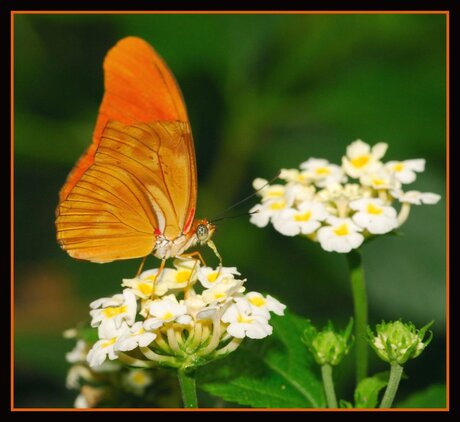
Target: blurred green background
(263, 92)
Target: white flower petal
(430, 198)
(258, 216)
(184, 319)
(151, 324)
(379, 150)
(416, 164)
(236, 330)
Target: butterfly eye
(202, 232)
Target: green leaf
(366, 394)
(432, 397)
(344, 404)
(275, 372)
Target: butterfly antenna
(227, 217)
(221, 215)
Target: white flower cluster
(340, 206)
(180, 317)
(97, 384)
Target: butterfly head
(204, 231)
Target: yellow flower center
(242, 319)
(278, 205)
(257, 301)
(219, 295)
(303, 217)
(360, 161)
(398, 167)
(139, 378)
(275, 193)
(322, 171)
(183, 276)
(374, 209)
(108, 343)
(167, 315)
(378, 182)
(342, 230)
(114, 311)
(145, 288)
(212, 277)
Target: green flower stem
(392, 387)
(328, 383)
(358, 288)
(188, 388)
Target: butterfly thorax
(200, 232)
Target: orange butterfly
(134, 190)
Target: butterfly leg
(198, 258)
(157, 275)
(141, 267)
(194, 254)
(213, 247)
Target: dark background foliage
(263, 92)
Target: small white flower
(81, 402)
(108, 329)
(166, 310)
(105, 302)
(119, 308)
(342, 235)
(76, 374)
(295, 176)
(242, 323)
(416, 198)
(209, 277)
(381, 179)
(404, 171)
(101, 350)
(262, 213)
(78, 353)
(194, 304)
(267, 191)
(137, 336)
(70, 333)
(143, 286)
(222, 291)
(306, 219)
(184, 275)
(192, 265)
(361, 159)
(372, 214)
(271, 206)
(261, 305)
(137, 380)
(322, 172)
(259, 183)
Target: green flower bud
(397, 342)
(328, 346)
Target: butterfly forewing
(138, 178)
(139, 87)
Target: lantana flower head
(341, 206)
(179, 317)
